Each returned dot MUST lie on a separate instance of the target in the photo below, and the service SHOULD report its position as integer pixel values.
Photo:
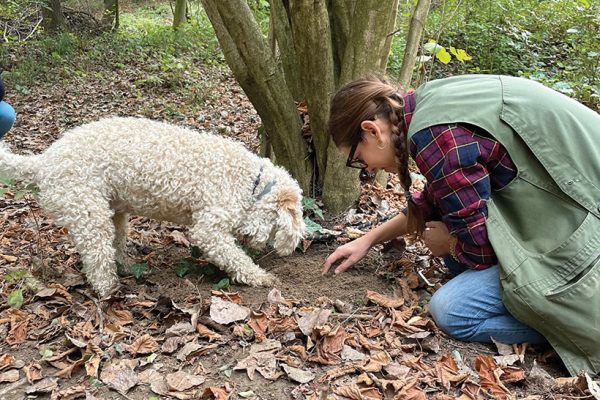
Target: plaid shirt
(462, 164)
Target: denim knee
(7, 117)
(442, 307)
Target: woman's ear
(369, 127)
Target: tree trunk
(363, 28)
(251, 61)
(53, 15)
(180, 15)
(413, 40)
(110, 17)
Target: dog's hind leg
(88, 217)
(211, 233)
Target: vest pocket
(587, 272)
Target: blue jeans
(7, 117)
(469, 307)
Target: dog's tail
(20, 168)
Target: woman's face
(376, 149)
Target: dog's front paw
(264, 280)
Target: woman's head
(366, 121)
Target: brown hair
(367, 99)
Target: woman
(7, 113)
(513, 200)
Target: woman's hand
(349, 254)
(437, 238)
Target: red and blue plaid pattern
(462, 164)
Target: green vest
(545, 224)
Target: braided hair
(368, 99)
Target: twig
(10, 388)
(212, 324)
(351, 316)
(265, 256)
(33, 30)
(99, 309)
(37, 236)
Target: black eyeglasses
(355, 162)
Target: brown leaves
(119, 375)
(144, 344)
(182, 381)
(491, 377)
(384, 301)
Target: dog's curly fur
(97, 174)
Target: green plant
(223, 284)
(311, 209)
(138, 270)
(19, 190)
(16, 278)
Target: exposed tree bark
(179, 16)
(385, 54)
(370, 25)
(253, 65)
(110, 17)
(413, 39)
(314, 59)
(283, 48)
(53, 15)
(341, 14)
(365, 26)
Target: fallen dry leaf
(297, 374)
(225, 312)
(33, 372)
(6, 360)
(119, 375)
(215, 393)
(385, 301)
(377, 361)
(205, 332)
(144, 344)
(309, 319)
(262, 361)
(9, 376)
(182, 381)
(489, 374)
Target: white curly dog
(97, 174)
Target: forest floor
(365, 334)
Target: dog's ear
(290, 226)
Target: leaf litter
(61, 343)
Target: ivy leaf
(312, 226)
(15, 298)
(138, 270)
(311, 205)
(443, 56)
(222, 284)
(183, 268)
